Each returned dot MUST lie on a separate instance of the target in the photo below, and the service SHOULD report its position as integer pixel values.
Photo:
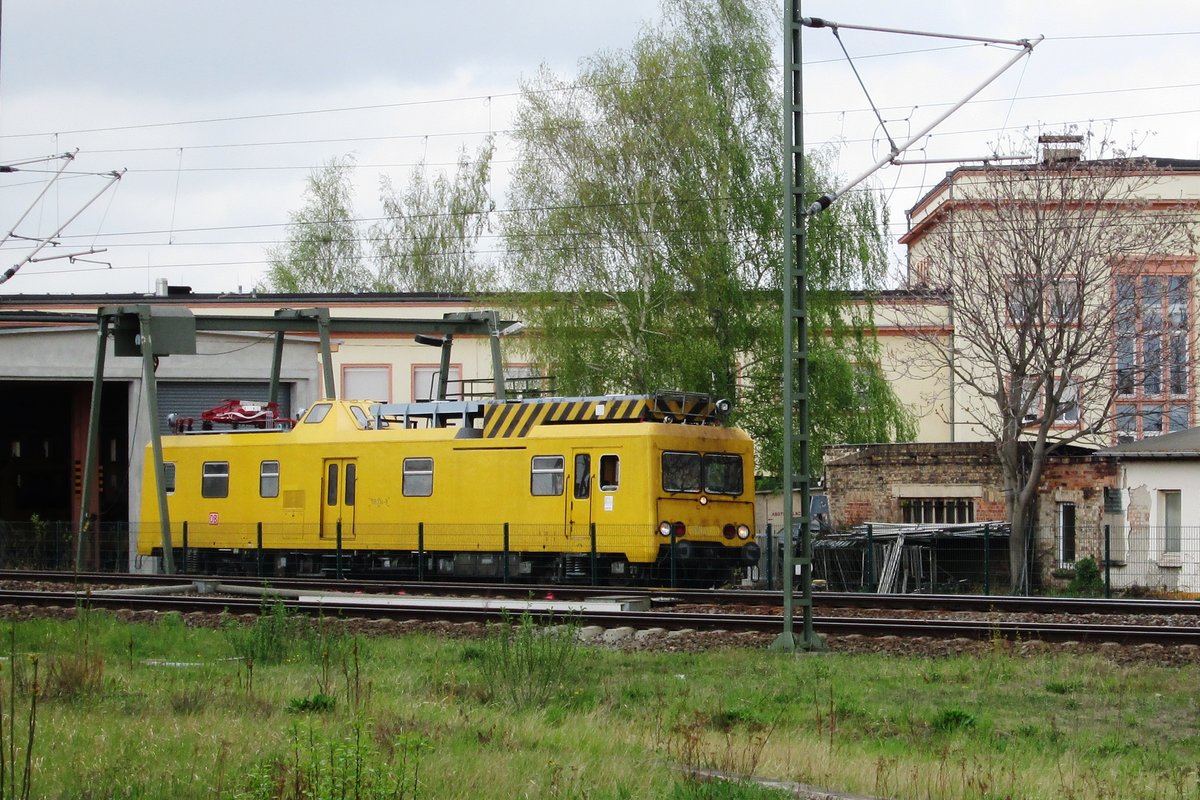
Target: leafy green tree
(322, 251)
(426, 241)
(646, 220)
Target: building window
(1171, 503)
(935, 510)
(268, 479)
(418, 477)
(1153, 369)
(425, 380)
(1067, 412)
(1066, 534)
(546, 476)
(367, 382)
(214, 481)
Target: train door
(579, 501)
(337, 500)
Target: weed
(526, 664)
(949, 720)
(269, 640)
(322, 768)
(16, 768)
(318, 702)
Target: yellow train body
(544, 489)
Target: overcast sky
(219, 111)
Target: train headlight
(743, 532)
(728, 531)
(664, 528)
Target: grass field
(282, 708)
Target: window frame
(212, 481)
(411, 471)
(264, 477)
(538, 468)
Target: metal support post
(869, 582)
(672, 556)
(339, 549)
(183, 553)
(506, 552)
(1107, 561)
(420, 551)
(150, 389)
(770, 559)
(93, 439)
(592, 534)
(258, 539)
(987, 559)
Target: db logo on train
(213, 518)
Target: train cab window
(361, 417)
(351, 482)
(268, 479)
(583, 476)
(418, 477)
(215, 479)
(610, 473)
(546, 476)
(723, 473)
(169, 477)
(681, 472)
(317, 413)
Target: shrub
(1087, 581)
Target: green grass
(167, 710)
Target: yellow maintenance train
(613, 489)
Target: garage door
(189, 399)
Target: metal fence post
(506, 552)
(339, 549)
(987, 558)
(869, 583)
(770, 559)
(258, 540)
(184, 555)
(420, 551)
(672, 556)
(592, 534)
(1107, 561)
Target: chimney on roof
(1062, 148)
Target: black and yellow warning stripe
(516, 419)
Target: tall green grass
(169, 710)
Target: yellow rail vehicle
(548, 489)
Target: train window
(169, 477)
(681, 472)
(361, 417)
(723, 473)
(583, 476)
(546, 478)
(331, 485)
(610, 473)
(351, 482)
(215, 479)
(317, 413)
(418, 477)
(268, 479)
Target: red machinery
(235, 413)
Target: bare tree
(1067, 286)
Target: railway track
(359, 606)
(662, 597)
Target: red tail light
(729, 531)
(680, 530)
